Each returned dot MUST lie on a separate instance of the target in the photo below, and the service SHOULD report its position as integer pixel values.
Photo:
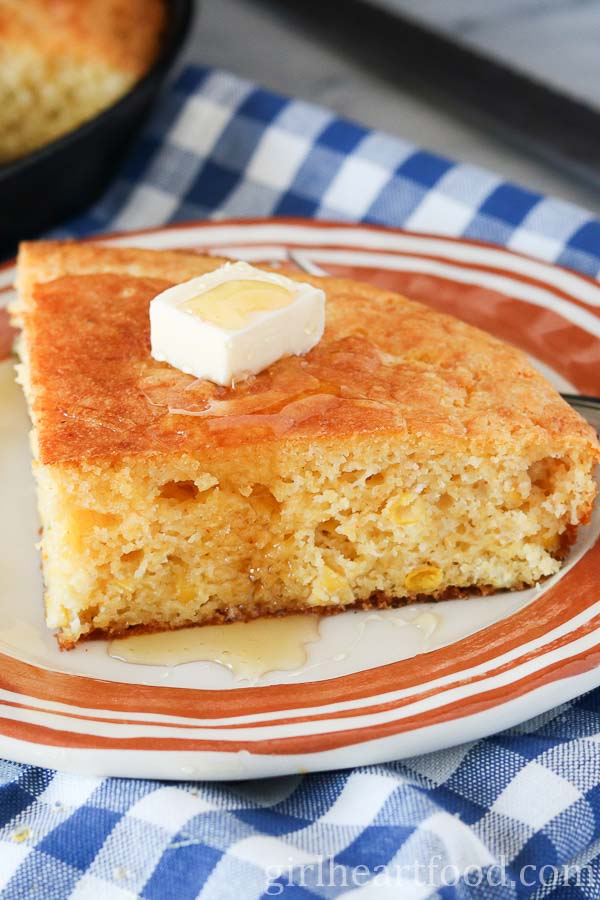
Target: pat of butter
(235, 321)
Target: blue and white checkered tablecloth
(514, 815)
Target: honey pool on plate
(247, 649)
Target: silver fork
(589, 407)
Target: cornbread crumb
(407, 456)
(63, 61)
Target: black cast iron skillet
(62, 178)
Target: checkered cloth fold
(514, 815)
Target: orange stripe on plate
(39, 734)
(324, 225)
(375, 707)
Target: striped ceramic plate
(369, 690)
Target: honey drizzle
(232, 304)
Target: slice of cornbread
(407, 456)
(62, 61)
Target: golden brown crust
(121, 34)
(96, 391)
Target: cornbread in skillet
(63, 61)
(407, 456)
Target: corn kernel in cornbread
(424, 579)
(406, 509)
(408, 455)
(330, 588)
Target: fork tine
(304, 264)
(583, 400)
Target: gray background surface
(290, 52)
(556, 41)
